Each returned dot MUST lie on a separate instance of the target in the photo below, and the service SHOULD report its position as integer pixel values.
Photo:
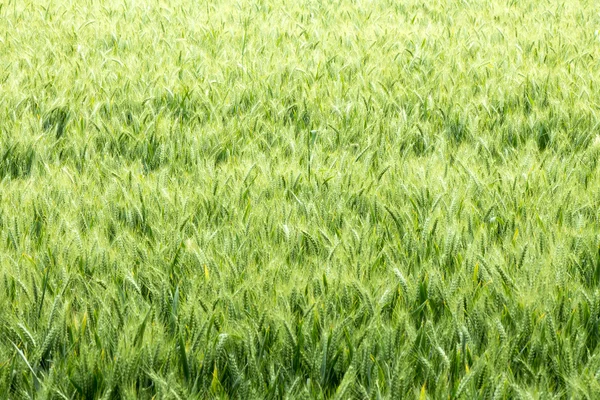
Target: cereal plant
(267, 199)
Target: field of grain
(269, 199)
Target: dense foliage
(309, 199)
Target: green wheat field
(274, 199)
